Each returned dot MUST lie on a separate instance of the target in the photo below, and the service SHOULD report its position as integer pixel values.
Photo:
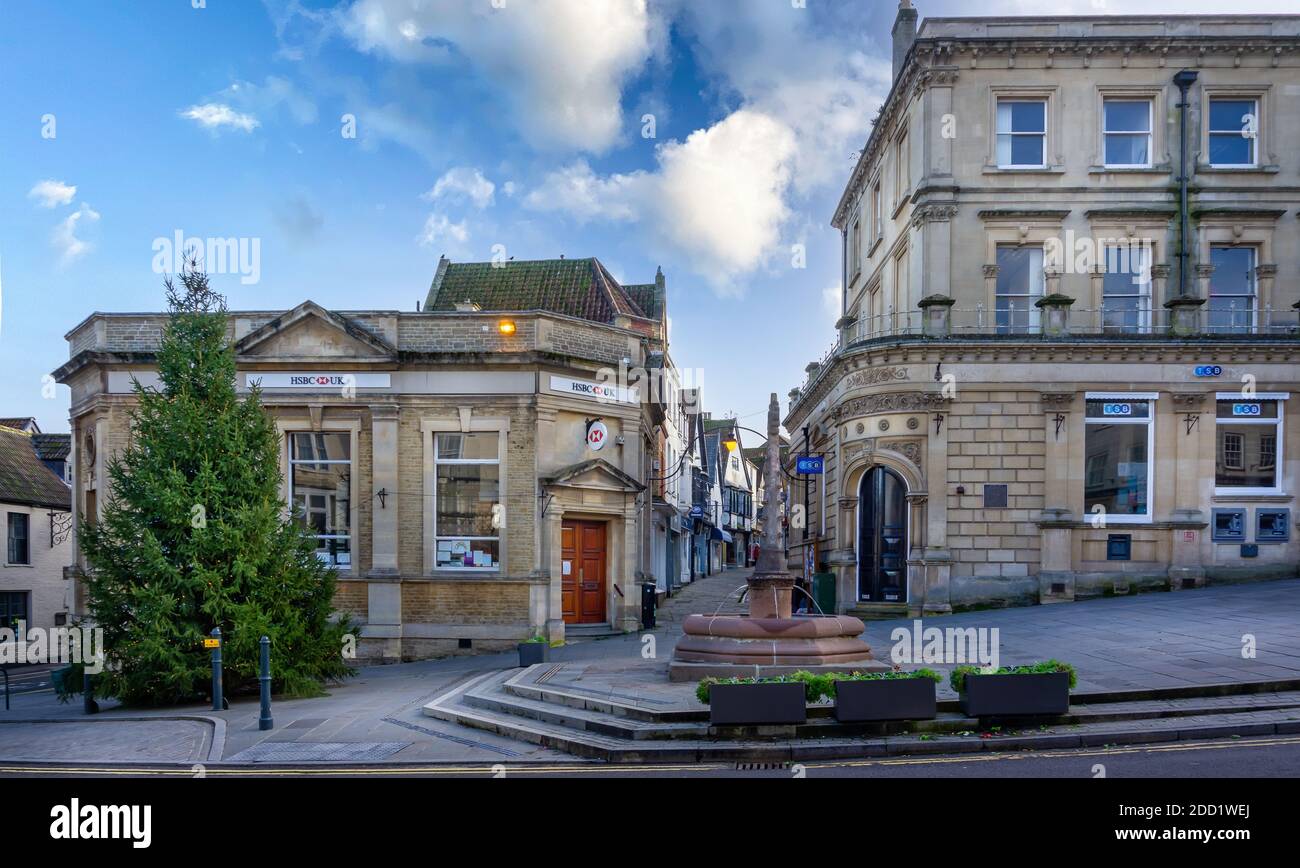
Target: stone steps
(514, 704)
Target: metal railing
(1136, 319)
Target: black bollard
(88, 703)
(217, 698)
(265, 722)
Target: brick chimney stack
(904, 34)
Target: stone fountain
(770, 640)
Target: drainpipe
(1184, 79)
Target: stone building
(1060, 371)
(35, 516)
(475, 471)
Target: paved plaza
(1159, 640)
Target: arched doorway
(882, 537)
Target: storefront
(1039, 479)
(473, 477)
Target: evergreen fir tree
(195, 534)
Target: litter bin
(823, 591)
(649, 597)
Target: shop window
(19, 538)
(1248, 432)
(1272, 525)
(467, 494)
(1229, 525)
(320, 490)
(1117, 447)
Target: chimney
(904, 34)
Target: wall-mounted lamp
(506, 326)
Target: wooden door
(583, 555)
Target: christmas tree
(195, 534)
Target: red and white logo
(597, 434)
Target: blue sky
(475, 126)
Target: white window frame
(1039, 282)
(1147, 251)
(1253, 325)
(28, 562)
(497, 462)
(1150, 133)
(1152, 398)
(1210, 132)
(290, 461)
(998, 132)
(1279, 424)
(468, 423)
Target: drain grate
(762, 767)
(318, 752)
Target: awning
(719, 533)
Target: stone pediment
(596, 473)
(309, 333)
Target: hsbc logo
(320, 380)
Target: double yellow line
(622, 770)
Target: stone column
(1266, 274)
(553, 531)
(1056, 566)
(938, 559)
(1189, 523)
(989, 323)
(383, 479)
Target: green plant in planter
(957, 678)
(816, 687)
(536, 639)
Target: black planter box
(1016, 695)
(757, 704)
(884, 699)
(533, 652)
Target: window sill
(871, 251)
(1024, 170)
(25, 566)
(1253, 495)
(902, 202)
(1130, 170)
(1207, 169)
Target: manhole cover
(318, 752)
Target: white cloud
(560, 63)
(578, 191)
(214, 116)
(49, 193)
(718, 197)
(439, 228)
(831, 299)
(64, 238)
(263, 99)
(463, 182)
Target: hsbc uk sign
(319, 380)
